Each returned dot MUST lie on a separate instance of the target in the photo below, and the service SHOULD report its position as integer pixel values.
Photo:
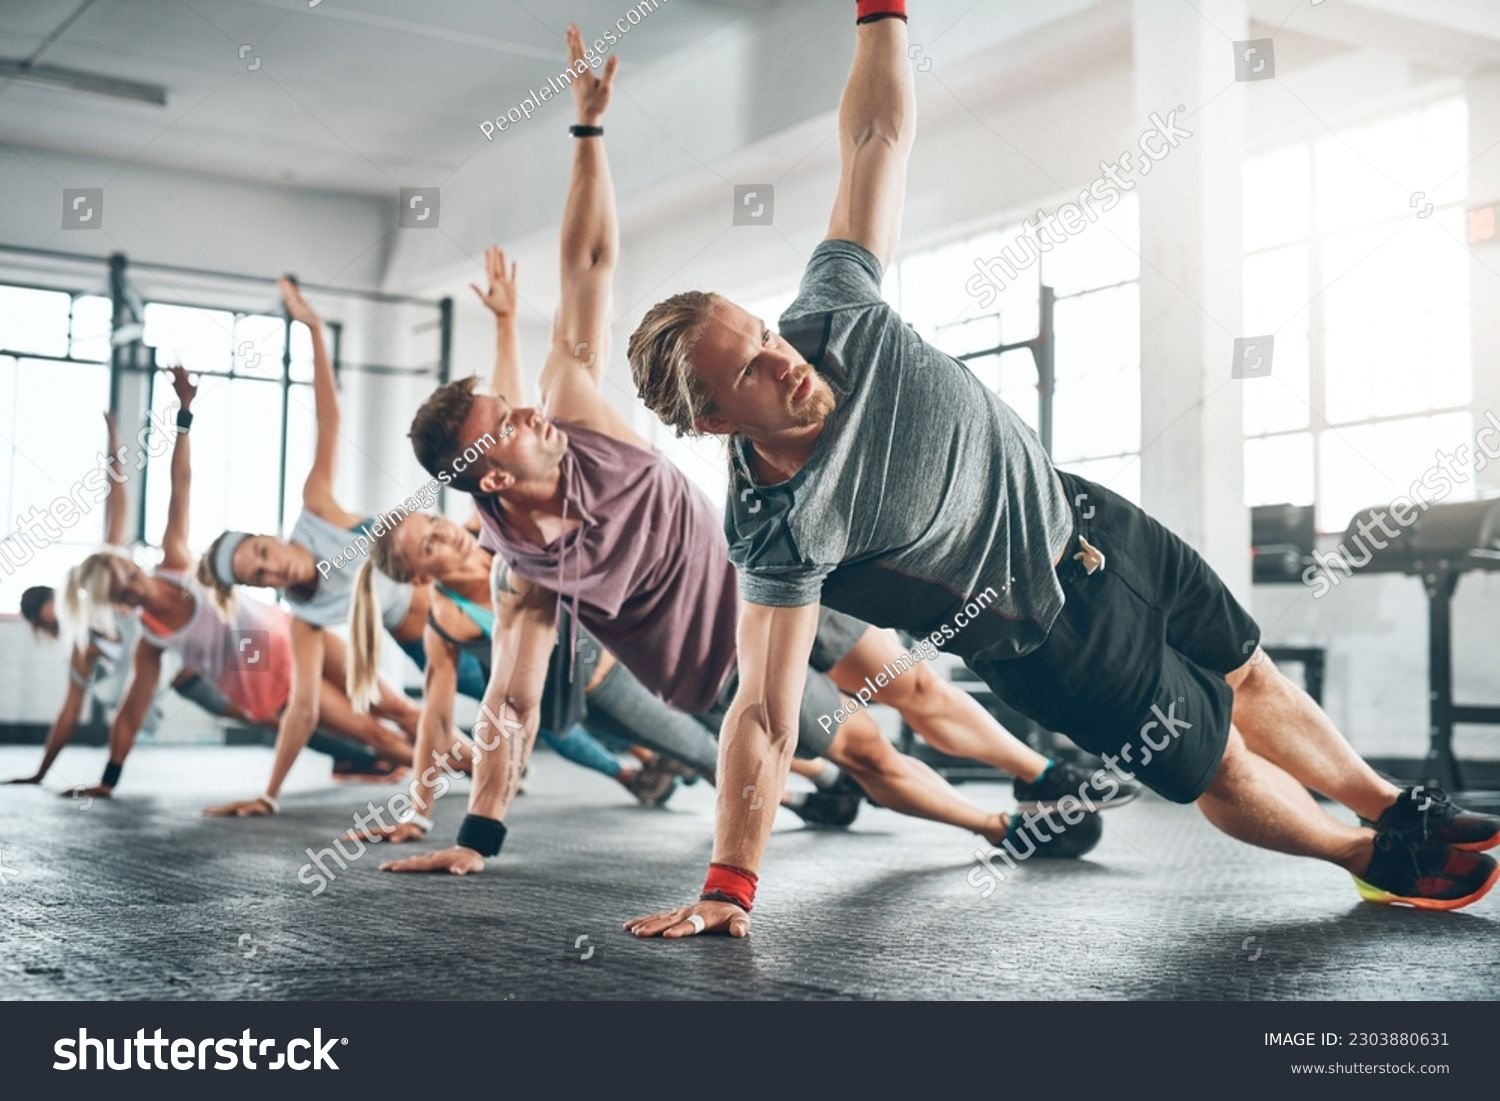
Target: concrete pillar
(1191, 430)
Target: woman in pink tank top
(243, 649)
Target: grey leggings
(622, 707)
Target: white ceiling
(349, 94)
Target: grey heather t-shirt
(924, 490)
(328, 606)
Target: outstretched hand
(296, 305)
(242, 808)
(455, 860)
(501, 296)
(87, 791)
(591, 90)
(401, 831)
(724, 918)
(184, 387)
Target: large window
(1363, 280)
(237, 419)
(55, 386)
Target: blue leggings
(577, 745)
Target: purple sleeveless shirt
(647, 571)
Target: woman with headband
(308, 571)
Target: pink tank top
(647, 571)
(248, 659)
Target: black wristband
(111, 774)
(483, 835)
(581, 131)
(184, 420)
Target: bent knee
(860, 747)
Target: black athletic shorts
(1133, 668)
(837, 634)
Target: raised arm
(510, 715)
(174, 541)
(117, 504)
(877, 122)
(756, 744)
(145, 672)
(317, 491)
(590, 248)
(500, 298)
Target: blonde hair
(221, 594)
(366, 624)
(661, 364)
(85, 605)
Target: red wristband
(726, 883)
(867, 11)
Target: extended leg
(946, 717)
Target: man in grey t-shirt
(876, 475)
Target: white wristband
(421, 820)
(270, 802)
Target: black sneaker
(651, 785)
(1410, 870)
(687, 773)
(1065, 778)
(1049, 837)
(1429, 810)
(829, 808)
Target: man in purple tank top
(579, 508)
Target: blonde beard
(818, 405)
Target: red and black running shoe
(1408, 869)
(1429, 810)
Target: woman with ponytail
(307, 571)
(244, 655)
(433, 551)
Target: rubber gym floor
(141, 898)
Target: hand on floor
(401, 831)
(713, 917)
(455, 860)
(37, 779)
(243, 808)
(85, 791)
